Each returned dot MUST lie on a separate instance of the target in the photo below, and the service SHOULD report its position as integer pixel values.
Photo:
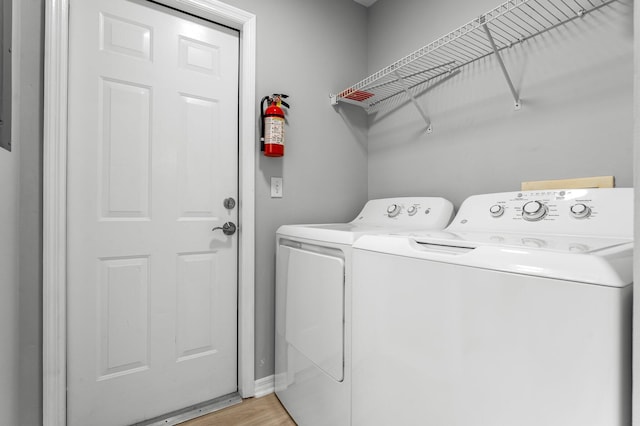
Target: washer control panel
(603, 211)
(415, 212)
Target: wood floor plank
(264, 411)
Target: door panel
(199, 119)
(153, 142)
(123, 316)
(124, 165)
(195, 332)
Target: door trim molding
(54, 290)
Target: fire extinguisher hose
(266, 98)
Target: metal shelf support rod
(414, 100)
(515, 95)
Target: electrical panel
(5, 75)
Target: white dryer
(313, 304)
(519, 313)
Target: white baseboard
(264, 386)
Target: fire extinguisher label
(274, 130)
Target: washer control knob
(533, 211)
(412, 210)
(580, 211)
(393, 210)
(496, 210)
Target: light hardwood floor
(265, 411)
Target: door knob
(228, 228)
(229, 203)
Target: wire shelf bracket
(425, 117)
(514, 92)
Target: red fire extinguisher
(272, 120)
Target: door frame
(54, 291)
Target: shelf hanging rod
(547, 10)
(411, 75)
(504, 37)
(580, 6)
(560, 10)
(516, 97)
(541, 15)
(518, 34)
(570, 8)
(472, 49)
(519, 25)
(479, 40)
(523, 10)
(445, 76)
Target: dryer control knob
(496, 210)
(534, 210)
(580, 211)
(393, 210)
(412, 210)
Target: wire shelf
(502, 27)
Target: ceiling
(365, 2)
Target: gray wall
(576, 120)
(9, 187)
(30, 249)
(20, 228)
(9, 287)
(306, 49)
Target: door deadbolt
(228, 228)
(229, 203)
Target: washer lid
(338, 233)
(606, 261)
(555, 243)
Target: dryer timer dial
(393, 210)
(496, 210)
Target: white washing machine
(518, 313)
(313, 304)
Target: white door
(153, 145)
